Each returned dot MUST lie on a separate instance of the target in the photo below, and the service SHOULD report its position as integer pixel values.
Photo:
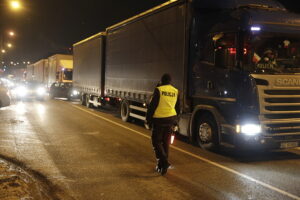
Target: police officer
(162, 115)
(268, 60)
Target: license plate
(285, 145)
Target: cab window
(225, 50)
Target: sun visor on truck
(275, 21)
(231, 4)
(277, 28)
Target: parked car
(4, 96)
(29, 90)
(63, 90)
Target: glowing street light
(9, 45)
(11, 33)
(3, 51)
(15, 5)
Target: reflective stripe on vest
(167, 102)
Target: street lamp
(2, 38)
(15, 5)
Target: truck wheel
(125, 111)
(87, 102)
(82, 100)
(207, 132)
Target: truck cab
(245, 78)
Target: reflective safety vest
(167, 102)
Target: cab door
(214, 74)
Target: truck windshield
(272, 53)
(67, 74)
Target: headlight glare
(249, 129)
(21, 91)
(41, 91)
(75, 92)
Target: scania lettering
(287, 82)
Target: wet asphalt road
(92, 154)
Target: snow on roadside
(16, 183)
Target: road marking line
(200, 158)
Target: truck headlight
(249, 129)
(41, 91)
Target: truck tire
(125, 111)
(206, 132)
(83, 100)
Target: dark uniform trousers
(161, 134)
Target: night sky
(47, 27)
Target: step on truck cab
(236, 64)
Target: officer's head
(270, 54)
(166, 79)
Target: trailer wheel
(82, 100)
(125, 111)
(207, 132)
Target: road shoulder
(18, 182)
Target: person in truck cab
(268, 60)
(162, 114)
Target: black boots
(162, 168)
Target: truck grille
(279, 107)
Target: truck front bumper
(267, 142)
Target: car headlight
(21, 91)
(249, 129)
(41, 91)
(75, 92)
